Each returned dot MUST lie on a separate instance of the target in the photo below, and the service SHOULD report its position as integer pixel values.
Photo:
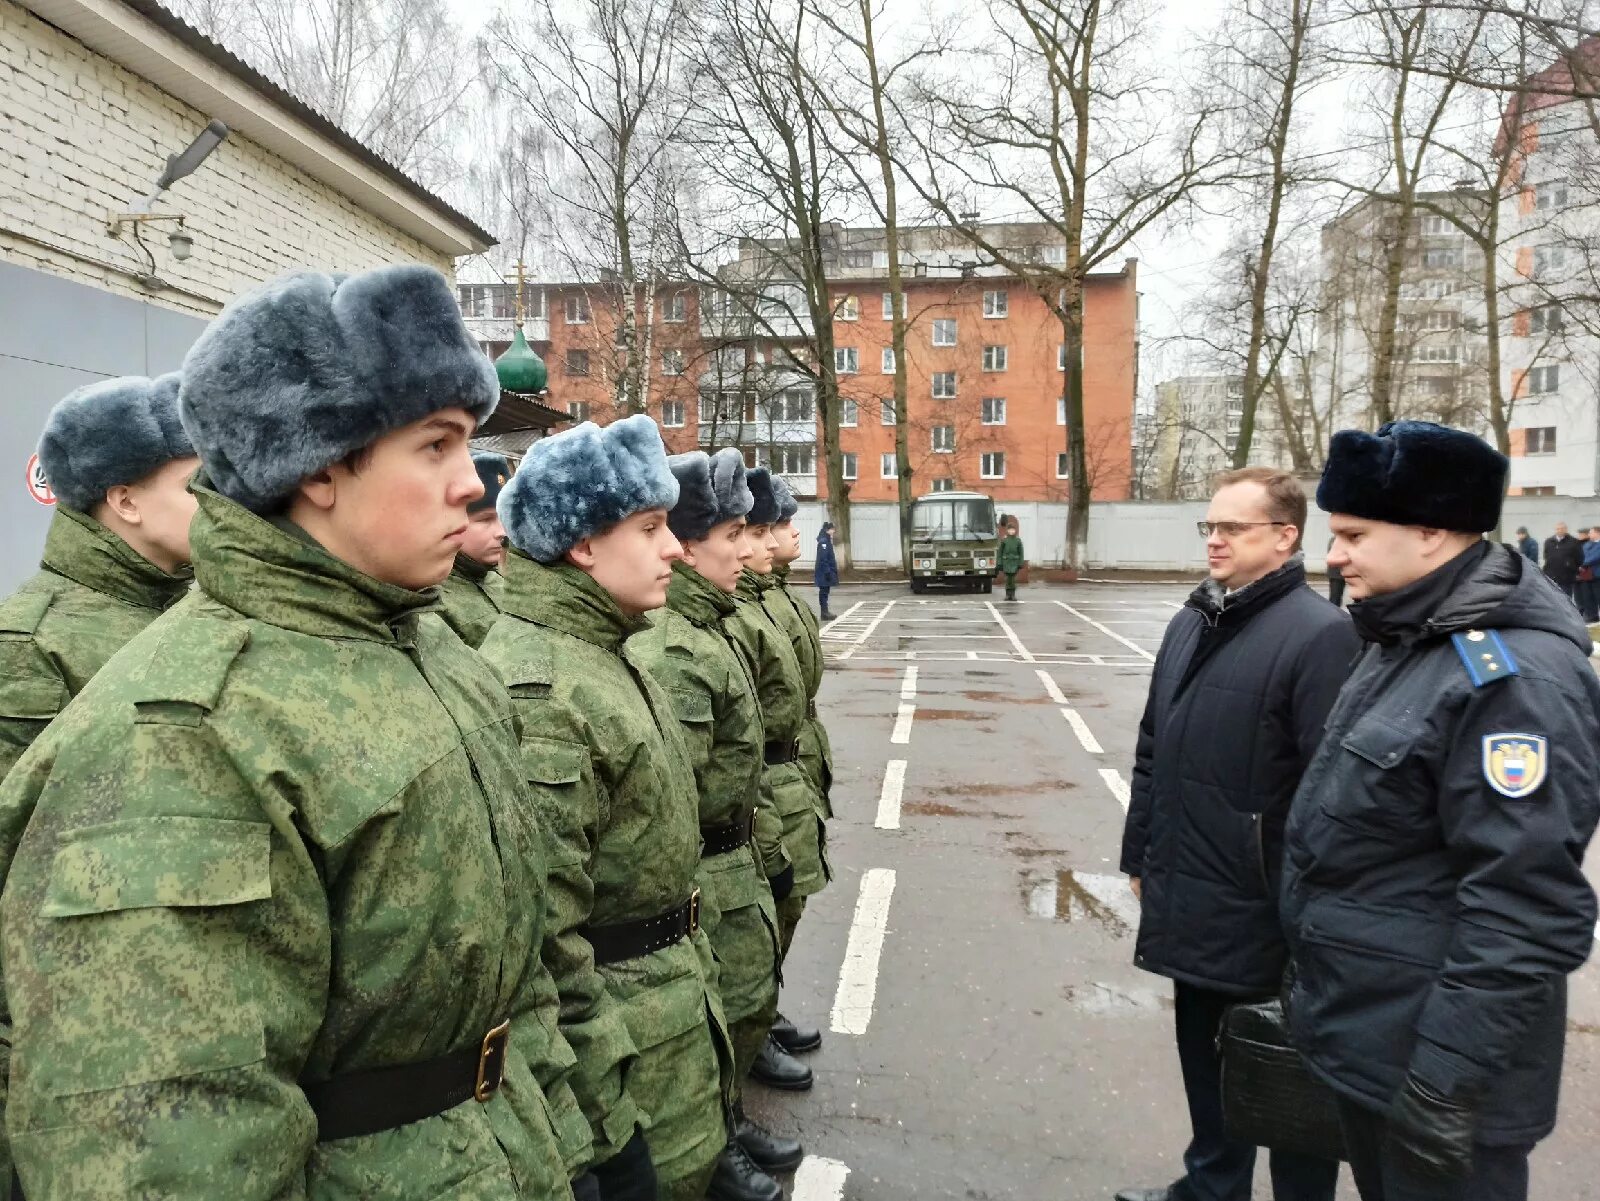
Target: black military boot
(796, 1040)
(776, 1068)
(772, 1152)
(737, 1178)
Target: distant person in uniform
(1588, 588)
(1246, 674)
(825, 574)
(470, 595)
(1563, 556)
(1433, 894)
(1011, 558)
(1527, 544)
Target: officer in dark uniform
(1433, 894)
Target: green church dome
(520, 369)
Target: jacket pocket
(159, 862)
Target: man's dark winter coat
(1528, 547)
(1237, 701)
(1433, 920)
(1562, 558)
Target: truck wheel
(919, 586)
(988, 587)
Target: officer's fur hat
(1415, 473)
(494, 471)
(583, 481)
(764, 499)
(296, 374)
(788, 506)
(711, 490)
(112, 432)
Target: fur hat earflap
(711, 490)
(112, 432)
(494, 472)
(293, 376)
(583, 481)
(788, 506)
(1415, 473)
(764, 501)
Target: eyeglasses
(1230, 529)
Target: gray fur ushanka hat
(711, 490)
(293, 376)
(583, 481)
(112, 432)
(764, 510)
(788, 506)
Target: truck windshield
(953, 520)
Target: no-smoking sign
(38, 486)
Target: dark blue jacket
(1237, 700)
(1591, 555)
(1433, 890)
(1529, 546)
(826, 572)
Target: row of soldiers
(321, 880)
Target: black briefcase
(1269, 1098)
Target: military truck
(953, 541)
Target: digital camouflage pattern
(693, 657)
(793, 614)
(283, 836)
(610, 775)
(92, 593)
(470, 599)
(781, 689)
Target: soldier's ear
(319, 489)
(581, 554)
(121, 502)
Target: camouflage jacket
(283, 837)
(689, 651)
(91, 594)
(470, 597)
(611, 778)
(794, 615)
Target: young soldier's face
(400, 514)
(156, 512)
(632, 560)
(485, 540)
(787, 535)
(762, 544)
(721, 555)
(1379, 557)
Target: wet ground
(978, 934)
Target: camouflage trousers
(789, 911)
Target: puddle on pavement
(1039, 788)
(1011, 698)
(1583, 1028)
(1081, 897)
(980, 674)
(937, 809)
(951, 715)
(1101, 998)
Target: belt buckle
(491, 1062)
(694, 912)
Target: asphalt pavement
(986, 1034)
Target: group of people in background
(381, 820)
(1573, 564)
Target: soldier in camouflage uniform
(781, 689)
(117, 553)
(689, 650)
(277, 910)
(471, 592)
(591, 554)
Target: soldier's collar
(563, 598)
(697, 598)
(82, 550)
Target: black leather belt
(718, 840)
(630, 940)
(775, 753)
(367, 1102)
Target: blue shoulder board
(1485, 656)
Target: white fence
(1147, 535)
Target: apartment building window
(887, 367)
(849, 308)
(672, 362)
(1442, 256)
(577, 362)
(1548, 258)
(886, 410)
(496, 301)
(1550, 195)
(1545, 490)
(944, 484)
(856, 260)
(793, 404)
(1436, 354)
(994, 358)
(944, 438)
(722, 408)
(577, 309)
(846, 360)
(1061, 465)
(578, 410)
(849, 410)
(1540, 440)
(1546, 319)
(1440, 319)
(677, 307)
(1435, 225)
(847, 464)
(944, 331)
(888, 306)
(1542, 381)
(789, 460)
(1053, 254)
(886, 467)
(994, 410)
(992, 466)
(1061, 410)
(996, 303)
(944, 385)
(672, 414)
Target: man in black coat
(1433, 890)
(1243, 682)
(1563, 556)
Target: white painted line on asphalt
(867, 633)
(908, 686)
(1050, 686)
(819, 1179)
(902, 725)
(1085, 735)
(845, 616)
(1026, 655)
(1118, 786)
(894, 783)
(858, 978)
(1109, 633)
